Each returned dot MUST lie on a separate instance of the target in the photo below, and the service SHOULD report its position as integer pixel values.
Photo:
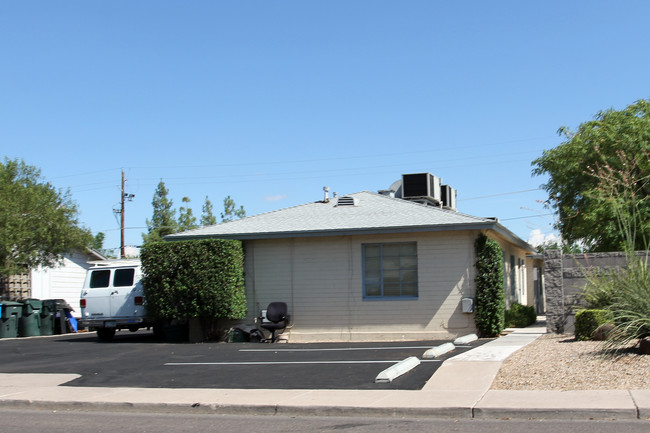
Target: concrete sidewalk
(459, 389)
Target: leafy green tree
(98, 241)
(624, 293)
(163, 221)
(230, 210)
(614, 139)
(555, 245)
(98, 245)
(207, 216)
(624, 192)
(38, 223)
(186, 219)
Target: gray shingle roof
(371, 213)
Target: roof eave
(513, 238)
(487, 225)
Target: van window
(99, 279)
(123, 277)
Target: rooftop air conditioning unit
(449, 196)
(421, 186)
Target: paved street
(459, 389)
(110, 422)
(138, 360)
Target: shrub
(490, 298)
(587, 321)
(622, 192)
(194, 279)
(630, 307)
(598, 291)
(520, 316)
(625, 294)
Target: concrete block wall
(565, 275)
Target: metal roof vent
(347, 200)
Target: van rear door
(98, 293)
(126, 296)
(109, 293)
(121, 299)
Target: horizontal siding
(509, 249)
(272, 261)
(62, 282)
(321, 280)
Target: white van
(112, 298)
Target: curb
(225, 409)
(556, 414)
(474, 412)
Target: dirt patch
(560, 363)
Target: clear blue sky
(269, 101)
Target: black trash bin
(10, 314)
(61, 315)
(48, 314)
(29, 325)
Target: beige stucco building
(367, 267)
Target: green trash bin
(48, 314)
(29, 325)
(10, 314)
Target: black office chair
(276, 318)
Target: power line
(320, 160)
(350, 157)
(355, 169)
(524, 217)
(502, 194)
(294, 175)
(88, 173)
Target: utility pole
(124, 196)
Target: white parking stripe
(337, 349)
(288, 362)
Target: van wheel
(105, 334)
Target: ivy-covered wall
(489, 311)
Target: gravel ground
(558, 362)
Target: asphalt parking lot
(139, 360)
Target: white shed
(64, 281)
